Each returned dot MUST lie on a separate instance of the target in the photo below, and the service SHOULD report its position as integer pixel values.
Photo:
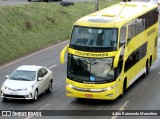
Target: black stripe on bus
(136, 56)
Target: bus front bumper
(106, 95)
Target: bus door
(120, 54)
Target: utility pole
(96, 5)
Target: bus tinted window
(98, 70)
(141, 23)
(136, 56)
(95, 37)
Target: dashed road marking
(52, 66)
(121, 108)
(29, 117)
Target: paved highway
(144, 94)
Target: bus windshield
(94, 39)
(96, 70)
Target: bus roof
(116, 15)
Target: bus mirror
(122, 43)
(116, 59)
(62, 55)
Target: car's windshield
(95, 70)
(23, 75)
(99, 39)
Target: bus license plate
(88, 95)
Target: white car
(27, 82)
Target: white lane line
(28, 117)
(52, 66)
(124, 105)
(43, 106)
(121, 108)
(32, 54)
(38, 109)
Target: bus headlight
(109, 88)
(70, 85)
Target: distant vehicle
(27, 82)
(44, 0)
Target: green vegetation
(27, 28)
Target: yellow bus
(110, 49)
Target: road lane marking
(124, 105)
(28, 117)
(38, 109)
(33, 54)
(43, 106)
(52, 66)
(121, 108)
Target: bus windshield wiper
(72, 76)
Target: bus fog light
(68, 92)
(110, 95)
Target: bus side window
(122, 35)
(135, 27)
(119, 68)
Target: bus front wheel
(147, 67)
(124, 87)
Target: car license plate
(88, 95)
(14, 93)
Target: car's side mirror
(40, 78)
(7, 76)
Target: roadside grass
(27, 28)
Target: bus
(110, 49)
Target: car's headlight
(29, 88)
(4, 87)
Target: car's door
(45, 78)
(40, 83)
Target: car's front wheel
(35, 95)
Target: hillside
(27, 28)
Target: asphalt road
(144, 94)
